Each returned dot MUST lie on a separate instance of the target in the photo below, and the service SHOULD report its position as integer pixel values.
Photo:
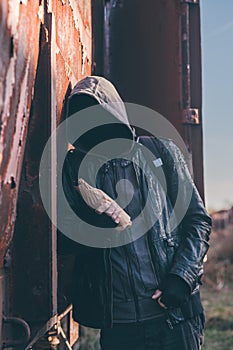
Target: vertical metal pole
(185, 56)
(186, 98)
(1, 301)
(191, 87)
(107, 12)
(53, 276)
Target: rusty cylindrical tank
(153, 56)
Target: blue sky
(217, 77)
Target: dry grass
(217, 292)
(89, 339)
(219, 265)
(219, 318)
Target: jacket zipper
(108, 269)
(131, 281)
(153, 263)
(147, 239)
(151, 260)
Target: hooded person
(113, 120)
(144, 293)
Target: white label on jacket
(158, 162)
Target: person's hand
(111, 209)
(173, 293)
(157, 296)
(102, 203)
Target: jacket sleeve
(75, 207)
(195, 223)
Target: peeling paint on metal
(19, 42)
(74, 40)
(49, 6)
(67, 69)
(66, 57)
(85, 34)
(1, 97)
(13, 15)
(10, 81)
(84, 57)
(20, 124)
(57, 50)
(41, 13)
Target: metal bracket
(190, 116)
(64, 338)
(53, 337)
(52, 334)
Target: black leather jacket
(180, 251)
(179, 225)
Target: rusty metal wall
(19, 42)
(20, 25)
(18, 59)
(46, 47)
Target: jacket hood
(104, 92)
(95, 90)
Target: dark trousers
(154, 335)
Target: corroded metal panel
(145, 54)
(153, 57)
(73, 44)
(46, 47)
(19, 41)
